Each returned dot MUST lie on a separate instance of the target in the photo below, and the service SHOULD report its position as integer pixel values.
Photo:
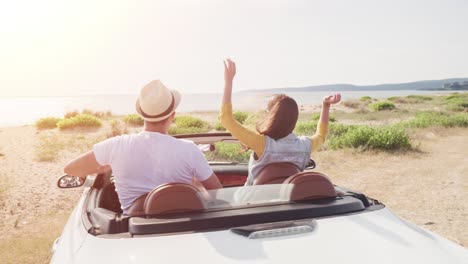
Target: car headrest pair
(181, 197)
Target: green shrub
(399, 100)
(360, 136)
(47, 122)
(429, 119)
(240, 116)
(305, 128)
(458, 120)
(390, 138)
(365, 98)
(79, 121)
(189, 125)
(452, 96)
(228, 152)
(133, 120)
(420, 97)
(189, 121)
(383, 138)
(355, 137)
(410, 99)
(457, 102)
(316, 117)
(380, 106)
(337, 130)
(97, 113)
(218, 126)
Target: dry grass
(353, 103)
(421, 186)
(34, 243)
(51, 144)
(364, 116)
(117, 128)
(49, 147)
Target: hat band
(165, 113)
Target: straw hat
(156, 102)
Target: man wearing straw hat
(141, 162)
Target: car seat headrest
(275, 173)
(310, 185)
(173, 198)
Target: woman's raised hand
(332, 99)
(229, 73)
(229, 70)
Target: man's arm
(84, 165)
(212, 182)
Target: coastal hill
(445, 84)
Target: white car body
(371, 236)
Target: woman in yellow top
(273, 140)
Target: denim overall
(292, 149)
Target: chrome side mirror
(67, 181)
(206, 147)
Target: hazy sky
(94, 47)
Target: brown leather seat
(275, 173)
(173, 198)
(107, 198)
(137, 207)
(310, 185)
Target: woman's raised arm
(322, 127)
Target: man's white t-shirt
(141, 162)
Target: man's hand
(332, 99)
(229, 70)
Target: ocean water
(26, 110)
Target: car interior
(311, 193)
(178, 207)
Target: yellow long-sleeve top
(255, 140)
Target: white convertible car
(285, 217)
